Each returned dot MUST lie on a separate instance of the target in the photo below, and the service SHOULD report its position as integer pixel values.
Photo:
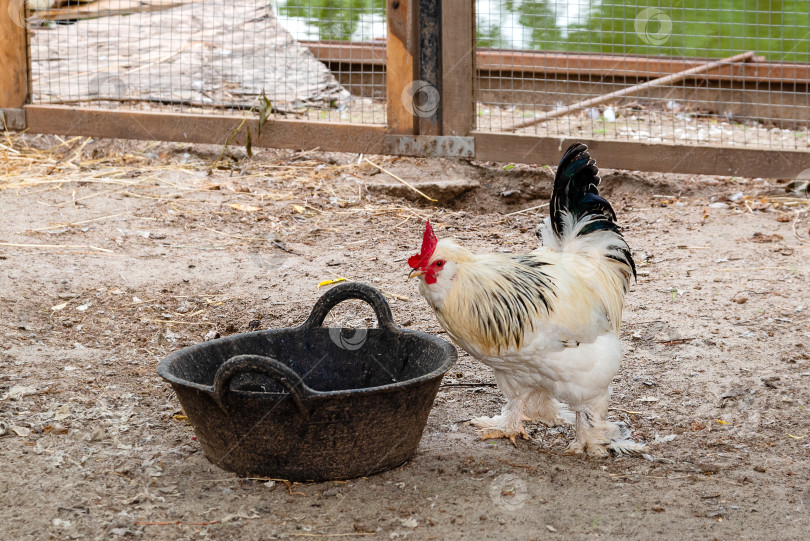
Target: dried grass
(314, 191)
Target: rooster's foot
(490, 428)
(591, 449)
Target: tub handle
(285, 375)
(351, 290)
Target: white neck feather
(436, 293)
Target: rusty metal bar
(428, 146)
(428, 102)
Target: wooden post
(13, 55)
(458, 66)
(399, 67)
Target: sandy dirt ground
(115, 254)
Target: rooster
(546, 322)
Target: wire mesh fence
(711, 72)
(212, 56)
(724, 72)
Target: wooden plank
(508, 63)
(458, 39)
(196, 128)
(13, 54)
(372, 54)
(601, 64)
(399, 65)
(160, 126)
(637, 156)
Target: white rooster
(547, 322)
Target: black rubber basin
(311, 403)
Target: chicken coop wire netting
(614, 69)
(211, 56)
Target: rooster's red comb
(428, 246)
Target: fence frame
(418, 48)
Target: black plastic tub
(311, 403)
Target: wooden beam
(399, 65)
(368, 139)
(458, 39)
(637, 156)
(13, 54)
(348, 53)
(200, 128)
(579, 64)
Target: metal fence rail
(671, 71)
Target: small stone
(21, 431)
(97, 434)
(211, 335)
(62, 413)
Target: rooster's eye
(439, 263)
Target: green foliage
(540, 17)
(335, 19)
(776, 29)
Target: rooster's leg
(509, 424)
(542, 408)
(594, 431)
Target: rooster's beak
(415, 272)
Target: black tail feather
(576, 188)
(576, 193)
